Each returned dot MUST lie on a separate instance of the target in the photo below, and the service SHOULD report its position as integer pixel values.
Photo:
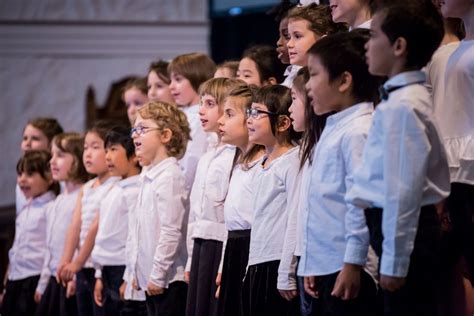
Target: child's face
(248, 72)
(182, 91)
(345, 11)
(301, 40)
(223, 72)
(455, 8)
(118, 163)
(232, 125)
(94, 154)
(321, 91)
(134, 99)
(33, 139)
(147, 144)
(260, 131)
(282, 49)
(158, 90)
(297, 110)
(61, 163)
(33, 185)
(379, 54)
(209, 113)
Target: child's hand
(153, 289)
(390, 283)
(288, 294)
(347, 282)
(187, 275)
(59, 270)
(37, 297)
(310, 286)
(71, 289)
(98, 288)
(69, 271)
(122, 290)
(218, 283)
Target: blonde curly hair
(168, 116)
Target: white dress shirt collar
(405, 79)
(153, 171)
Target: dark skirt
(85, 283)
(19, 299)
(112, 278)
(170, 303)
(207, 256)
(54, 301)
(260, 295)
(420, 293)
(236, 258)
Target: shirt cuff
(394, 267)
(286, 281)
(356, 254)
(98, 273)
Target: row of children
(301, 192)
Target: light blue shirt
(404, 168)
(336, 232)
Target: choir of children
(245, 197)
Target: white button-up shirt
(336, 232)
(238, 206)
(90, 205)
(59, 216)
(273, 201)
(404, 168)
(159, 251)
(109, 247)
(27, 253)
(206, 214)
(290, 74)
(456, 115)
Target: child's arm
(84, 252)
(72, 237)
(406, 149)
(189, 245)
(170, 199)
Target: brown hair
(102, 127)
(136, 82)
(73, 143)
(232, 65)
(319, 18)
(218, 88)
(195, 67)
(168, 116)
(37, 161)
(160, 67)
(49, 126)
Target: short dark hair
(418, 22)
(277, 99)
(120, 135)
(345, 52)
(160, 67)
(266, 59)
(37, 161)
(102, 127)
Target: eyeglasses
(141, 130)
(256, 113)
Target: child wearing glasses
(109, 254)
(158, 252)
(206, 228)
(274, 185)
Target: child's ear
(345, 82)
(165, 135)
(284, 123)
(400, 47)
(270, 81)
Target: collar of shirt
(40, 200)
(291, 69)
(264, 158)
(153, 171)
(192, 109)
(341, 118)
(404, 79)
(129, 181)
(365, 25)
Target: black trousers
(328, 305)
(112, 277)
(207, 256)
(54, 301)
(236, 258)
(19, 297)
(170, 303)
(85, 283)
(133, 308)
(260, 295)
(418, 296)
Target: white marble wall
(50, 51)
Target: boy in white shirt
(109, 256)
(160, 134)
(335, 241)
(404, 171)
